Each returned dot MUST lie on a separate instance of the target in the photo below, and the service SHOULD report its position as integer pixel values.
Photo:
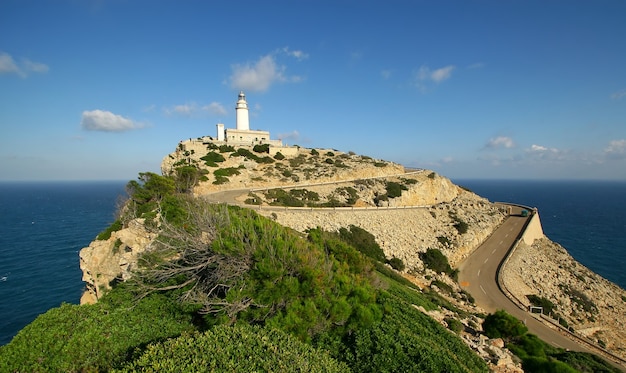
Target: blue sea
(588, 218)
(44, 225)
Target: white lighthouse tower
(243, 121)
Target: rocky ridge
(402, 232)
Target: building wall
(287, 151)
(220, 132)
(533, 231)
(249, 137)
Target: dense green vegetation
(238, 348)
(243, 152)
(220, 278)
(538, 356)
(435, 260)
(212, 159)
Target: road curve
(478, 276)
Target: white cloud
(190, 109)
(293, 136)
(185, 109)
(7, 65)
(297, 54)
(619, 94)
(260, 75)
(23, 69)
(616, 149)
(438, 75)
(215, 108)
(100, 120)
(500, 142)
(36, 67)
(540, 152)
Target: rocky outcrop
(588, 304)
(104, 262)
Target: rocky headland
(407, 212)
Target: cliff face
(104, 262)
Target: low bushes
(536, 355)
(239, 348)
(435, 260)
(92, 338)
(212, 159)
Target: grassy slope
(374, 330)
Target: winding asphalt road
(478, 276)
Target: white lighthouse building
(242, 134)
(243, 121)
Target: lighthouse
(243, 121)
(242, 134)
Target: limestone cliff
(104, 262)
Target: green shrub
(226, 149)
(435, 260)
(280, 197)
(454, 324)
(445, 288)
(92, 338)
(396, 263)
(380, 164)
(229, 171)
(544, 303)
(502, 325)
(221, 180)
(443, 240)
(106, 234)
(212, 158)
(264, 148)
(363, 241)
(279, 156)
(394, 189)
(330, 154)
(460, 225)
(239, 348)
(329, 161)
(349, 193)
(186, 177)
(432, 175)
(405, 340)
(314, 152)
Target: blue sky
(471, 89)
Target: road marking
(486, 260)
(500, 243)
(481, 288)
(506, 235)
(494, 250)
(479, 272)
